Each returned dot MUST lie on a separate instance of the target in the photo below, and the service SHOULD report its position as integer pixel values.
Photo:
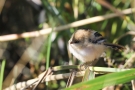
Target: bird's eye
(97, 34)
(76, 41)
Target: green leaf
(2, 73)
(105, 80)
(114, 28)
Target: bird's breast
(87, 53)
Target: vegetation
(34, 37)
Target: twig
(128, 33)
(62, 76)
(129, 63)
(48, 72)
(112, 8)
(133, 84)
(20, 85)
(64, 27)
(71, 78)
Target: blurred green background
(49, 50)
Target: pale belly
(87, 54)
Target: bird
(88, 45)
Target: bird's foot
(85, 65)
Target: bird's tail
(114, 46)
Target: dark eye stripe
(97, 34)
(76, 41)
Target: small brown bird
(88, 45)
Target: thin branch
(20, 85)
(46, 73)
(67, 26)
(128, 33)
(133, 84)
(129, 63)
(112, 8)
(71, 78)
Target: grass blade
(2, 73)
(105, 80)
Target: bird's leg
(85, 65)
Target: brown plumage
(88, 45)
